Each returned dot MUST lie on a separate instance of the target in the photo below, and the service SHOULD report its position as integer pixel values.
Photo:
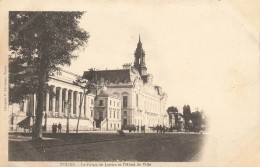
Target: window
(91, 113)
(125, 113)
(117, 104)
(92, 101)
(110, 102)
(114, 114)
(100, 102)
(117, 115)
(114, 103)
(124, 101)
(124, 121)
(110, 114)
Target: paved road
(169, 147)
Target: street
(152, 147)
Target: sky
(191, 48)
(204, 54)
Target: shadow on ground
(169, 147)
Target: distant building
(142, 102)
(107, 111)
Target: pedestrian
(53, 127)
(160, 128)
(157, 128)
(59, 128)
(143, 129)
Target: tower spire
(139, 63)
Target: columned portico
(62, 90)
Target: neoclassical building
(142, 102)
(130, 98)
(55, 109)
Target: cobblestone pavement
(168, 147)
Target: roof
(104, 93)
(111, 76)
(25, 123)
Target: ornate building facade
(142, 102)
(55, 109)
(127, 97)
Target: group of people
(142, 128)
(55, 127)
(160, 129)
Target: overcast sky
(195, 51)
(202, 53)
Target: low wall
(84, 125)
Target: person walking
(59, 128)
(157, 128)
(160, 128)
(164, 128)
(53, 128)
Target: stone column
(66, 100)
(53, 108)
(47, 102)
(60, 102)
(77, 104)
(71, 102)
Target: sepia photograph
(130, 83)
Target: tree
(186, 115)
(40, 43)
(196, 118)
(87, 86)
(173, 111)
